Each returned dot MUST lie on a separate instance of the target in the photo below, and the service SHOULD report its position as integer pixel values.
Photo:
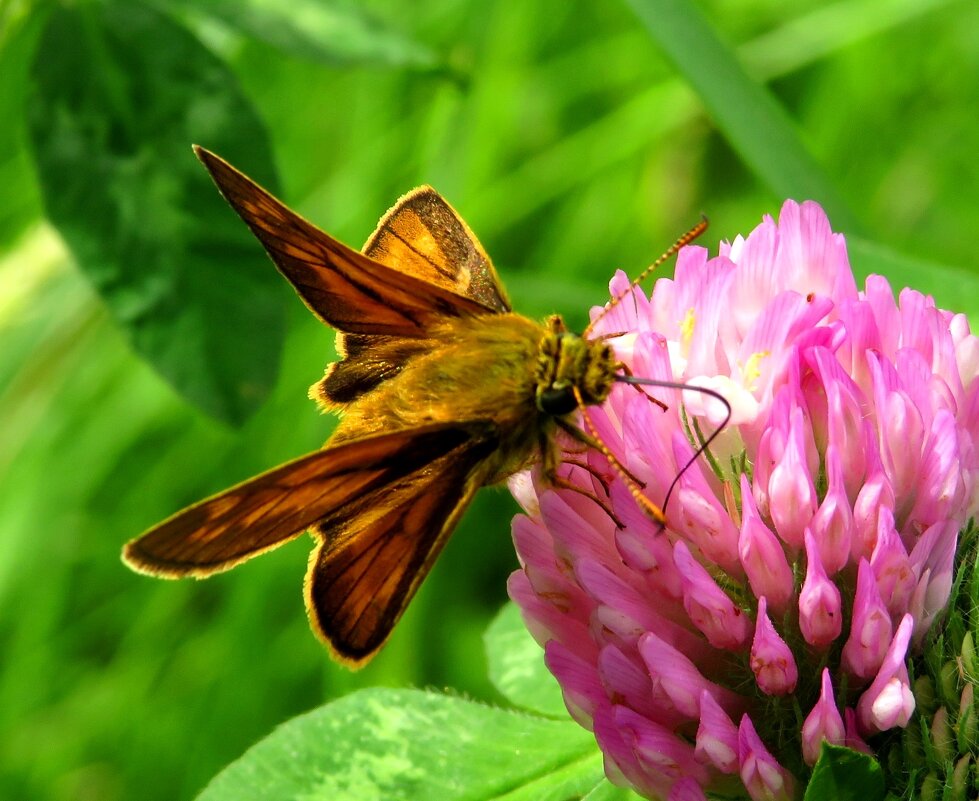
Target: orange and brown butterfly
(440, 388)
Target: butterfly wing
(346, 289)
(365, 572)
(422, 235)
(341, 485)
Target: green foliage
(516, 666)
(841, 774)
(569, 143)
(406, 745)
(935, 757)
(753, 122)
(19, 201)
(334, 34)
(140, 217)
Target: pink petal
(626, 680)
(853, 738)
(664, 757)
(824, 722)
(583, 692)
(763, 777)
(889, 702)
(678, 682)
(791, 493)
(687, 789)
(771, 659)
(820, 607)
(870, 629)
(711, 611)
(892, 567)
(717, 736)
(932, 560)
(762, 556)
(832, 525)
(876, 495)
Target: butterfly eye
(557, 401)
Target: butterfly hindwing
(364, 361)
(260, 514)
(360, 581)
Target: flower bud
(771, 659)
(709, 608)
(791, 493)
(888, 702)
(820, 608)
(764, 778)
(870, 627)
(823, 723)
(762, 555)
(717, 736)
(942, 738)
(965, 723)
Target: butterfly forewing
(346, 289)
(266, 511)
(358, 587)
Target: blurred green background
(574, 138)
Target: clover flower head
(809, 549)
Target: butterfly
(440, 388)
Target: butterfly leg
(549, 465)
(590, 442)
(595, 473)
(634, 485)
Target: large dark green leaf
(406, 745)
(121, 94)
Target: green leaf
(121, 94)
(403, 745)
(516, 665)
(327, 32)
(20, 203)
(751, 119)
(606, 791)
(842, 774)
(953, 288)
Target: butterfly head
(567, 361)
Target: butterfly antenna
(653, 382)
(648, 507)
(684, 240)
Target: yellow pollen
(687, 326)
(752, 370)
